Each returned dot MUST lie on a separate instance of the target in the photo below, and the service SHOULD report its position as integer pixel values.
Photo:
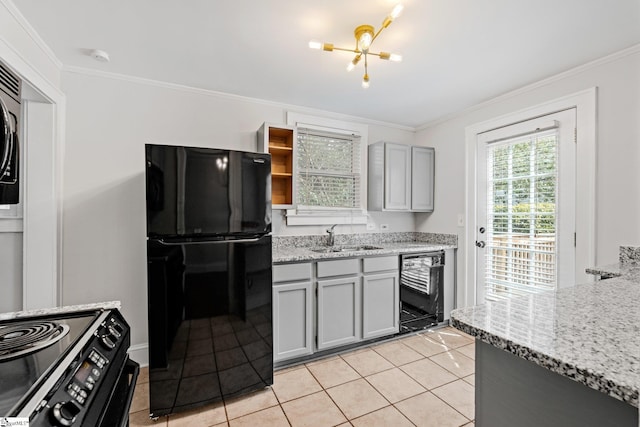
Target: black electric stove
(67, 369)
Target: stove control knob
(107, 342)
(113, 331)
(64, 413)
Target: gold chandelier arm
(377, 34)
(347, 50)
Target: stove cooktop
(29, 350)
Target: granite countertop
(629, 271)
(628, 266)
(305, 253)
(589, 333)
(60, 310)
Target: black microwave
(9, 146)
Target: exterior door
(525, 237)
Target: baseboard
(140, 353)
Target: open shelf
(279, 142)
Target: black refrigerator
(208, 275)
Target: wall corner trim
(19, 17)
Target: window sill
(324, 218)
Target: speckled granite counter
(626, 271)
(60, 310)
(589, 333)
(628, 266)
(299, 248)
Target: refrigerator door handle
(206, 242)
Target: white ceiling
(457, 53)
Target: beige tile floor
(420, 380)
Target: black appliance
(209, 275)
(421, 291)
(10, 87)
(68, 369)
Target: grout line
(451, 406)
(342, 357)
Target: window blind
(521, 215)
(329, 170)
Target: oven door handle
(133, 368)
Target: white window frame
(327, 216)
(585, 104)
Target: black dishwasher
(421, 290)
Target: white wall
(108, 122)
(617, 79)
(23, 52)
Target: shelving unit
(279, 141)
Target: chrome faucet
(331, 234)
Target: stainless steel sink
(329, 249)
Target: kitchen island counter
(629, 271)
(588, 333)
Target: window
(521, 215)
(329, 170)
(330, 183)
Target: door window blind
(521, 215)
(329, 170)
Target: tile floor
(420, 380)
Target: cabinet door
(292, 320)
(380, 304)
(422, 178)
(338, 312)
(397, 177)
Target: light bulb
(395, 57)
(365, 41)
(353, 62)
(397, 10)
(365, 81)
(315, 44)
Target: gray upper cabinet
(422, 172)
(400, 177)
(397, 177)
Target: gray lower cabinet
(380, 296)
(293, 299)
(380, 304)
(337, 302)
(338, 312)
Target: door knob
(480, 244)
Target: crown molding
(616, 56)
(230, 96)
(31, 32)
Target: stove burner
(27, 338)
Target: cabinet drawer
(380, 263)
(290, 272)
(338, 267)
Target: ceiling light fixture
(365, 35)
